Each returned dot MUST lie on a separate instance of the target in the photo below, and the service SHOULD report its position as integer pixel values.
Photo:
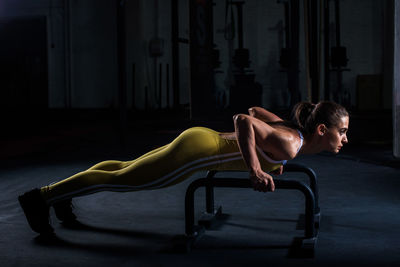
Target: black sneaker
(63, 210)
(36, 211)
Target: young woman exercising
(261, 144)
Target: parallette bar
(245, 183)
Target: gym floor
(359, 199)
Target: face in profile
(336, 136)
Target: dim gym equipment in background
(289, 57)
(245, 92)
(336, 56)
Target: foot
(36, 211)
(63, 210)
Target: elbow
(289, 155)
(252, 111)
(240, 119)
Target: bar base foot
(303, 247)
(210, 220)
(185, 243)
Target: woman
(261, 143)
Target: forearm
(246, 139)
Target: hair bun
(301, 114)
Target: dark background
(86, 81)
(68, 65)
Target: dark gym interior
(87, 81)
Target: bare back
(277, 141)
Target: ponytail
(301, 114)
(306, 116)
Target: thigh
(114, 165)
(193, 150)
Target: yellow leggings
(195, 149)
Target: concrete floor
(359, 199)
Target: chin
(335, 150)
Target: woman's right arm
(248, 130)
(263, 114)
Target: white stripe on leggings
(193, 168)
(162, 179)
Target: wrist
(254, 171)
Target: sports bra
(280, 161)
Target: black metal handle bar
(290, 167)
(245, 183)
